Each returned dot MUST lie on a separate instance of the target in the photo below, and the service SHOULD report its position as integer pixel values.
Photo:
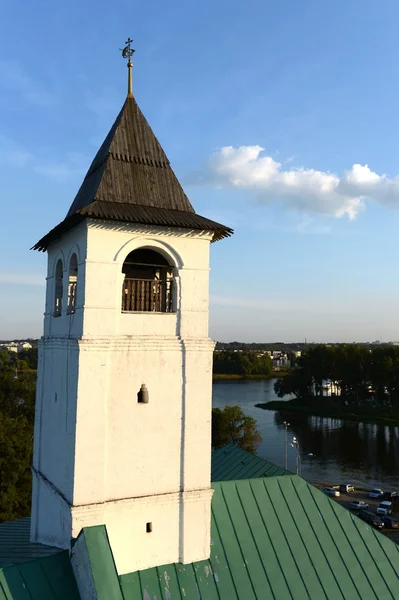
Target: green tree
(356, 375)
(241, 363)
(297, 383)
(231, 425)
(17, 397)
(16, 438)
(30, 356)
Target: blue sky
(280, 118)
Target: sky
(281, 120)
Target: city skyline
(280, 122)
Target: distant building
(13, 347)
(16, 346)
(24, 346)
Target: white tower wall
(100, 456)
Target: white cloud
(253, 303)
(104, 102)
(322, 303)
(279, 304)
(15, 155)
(14, 79)
(58, 171)
(304, 189)
(22, 279)
(63, 171)
(303, 224)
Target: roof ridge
(266, 478)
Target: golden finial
(128, 52)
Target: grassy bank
(234, 376)
(385, 416)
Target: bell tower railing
(147, 295)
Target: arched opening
(72, 284)
(148, 284)
(58, 289)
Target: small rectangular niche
(142, 395)
(148, 527)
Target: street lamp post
(286, 425)
(295, 445)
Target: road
(346, 499)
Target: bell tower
(123, 407)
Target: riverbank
(383, 416)
(236, 377)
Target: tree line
(17, 410)
(285, 346)
(241, 363)
(345, 374)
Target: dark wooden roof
(130, 179)
(140, 215)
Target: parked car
(358, 505)
(331, 491)
(345, 488)
(371, 519)
(390, 495)
(385, 508)
(376, 493)
(391, 523)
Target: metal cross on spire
(128, 52)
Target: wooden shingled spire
(130, 179)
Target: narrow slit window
(58, 291)
(72, 284)
(148, 527)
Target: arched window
(72, 284)
(148, 284)
(58, 289)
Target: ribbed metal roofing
(15, 546)
(130, 179)
(230, 462)
(49, 578)
(274, 538)
(278, 538)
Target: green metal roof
(49, 578)
(33, 571)
(278, 538)
(272, 538)
(15, 546)
(230, 462)
(105, 577)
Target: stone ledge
(99, 508)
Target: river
(332, 450)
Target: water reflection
(346, 449)
(341, 450)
